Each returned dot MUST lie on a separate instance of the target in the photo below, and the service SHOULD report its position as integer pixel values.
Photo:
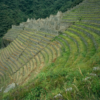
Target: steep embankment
(59, 56)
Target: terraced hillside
(58, 56)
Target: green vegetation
(56, 67)
(12, 12)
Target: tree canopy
(12, 12)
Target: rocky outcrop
(9, 87)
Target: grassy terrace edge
(71, 68)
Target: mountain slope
(12, 12)
(55, 63)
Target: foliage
(12, 12)
(54, 79)
(73, 70)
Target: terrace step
(91, 46)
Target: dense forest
(12, 12)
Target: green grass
(54, 79)
(67, 71)
(69, 60)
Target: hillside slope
(52, 60)
(13, 12)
